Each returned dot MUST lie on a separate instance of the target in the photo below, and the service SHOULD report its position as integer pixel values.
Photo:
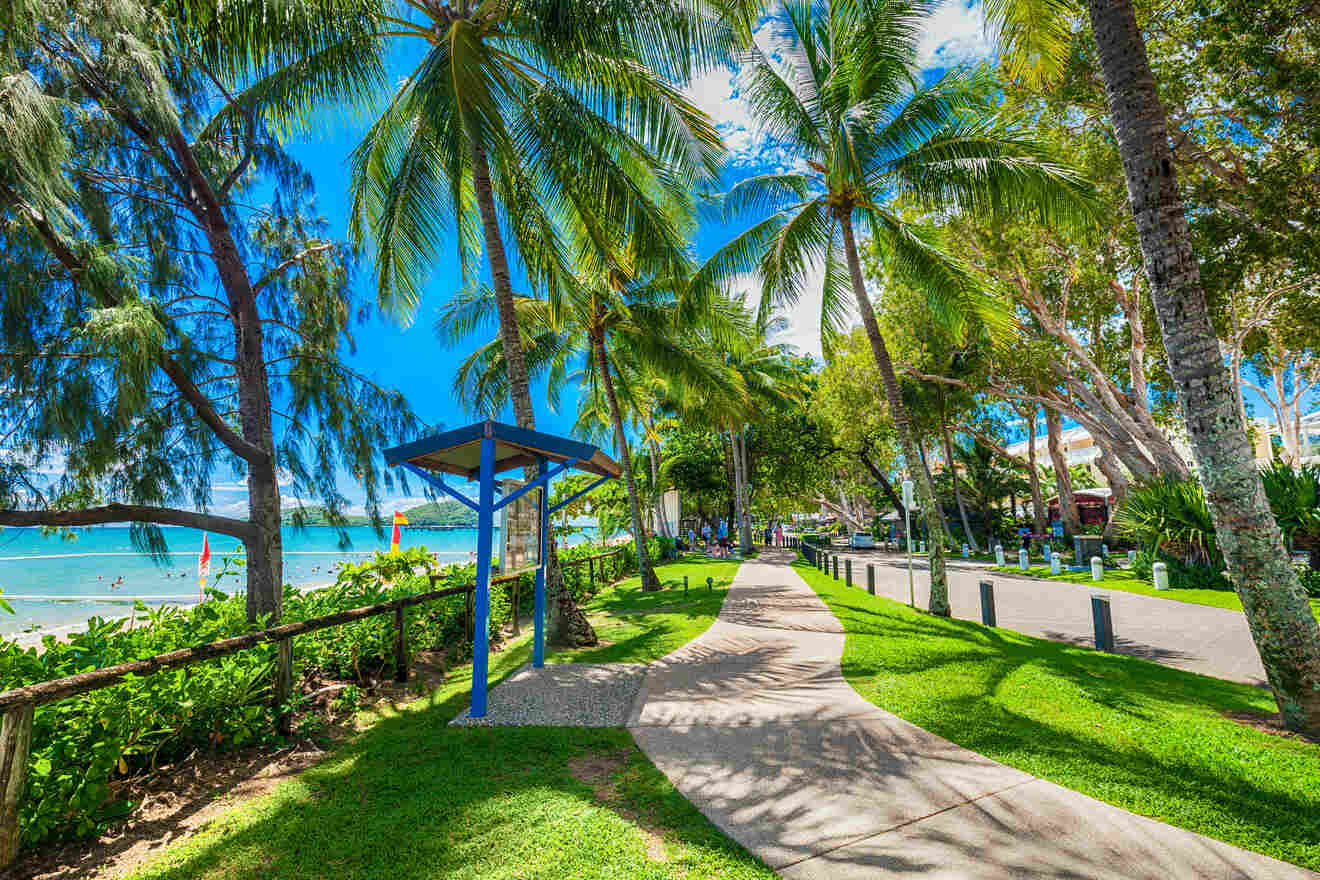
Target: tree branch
(113, 513)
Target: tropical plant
(594, 333)
(838, 92)
(1294, 494)
(1171, 516)
(1037, 37)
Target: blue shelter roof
(458, 452)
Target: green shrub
(1183, 575)
(80, 745)
(1170, 517)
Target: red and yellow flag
(204, 565)
(399, 520)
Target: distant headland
(436, 515)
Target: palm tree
(594, 333)
(1036, 36)
(842, 99)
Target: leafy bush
(1170, 517)
(1294, 495)
(80, 746)
(1183, 575)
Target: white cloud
(955, 35)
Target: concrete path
(754, 723)
(1198, 638)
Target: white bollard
(1161, 576)
(1024, 560)
(1055, 567)
(1104, 550)
(1097, 568)
(999, 554)
(966, 550)
(1132, 558)
(923, 547)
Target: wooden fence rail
(17, 705)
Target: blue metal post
(485, 525)
(538, 608)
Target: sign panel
(520, 533)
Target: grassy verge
(411, 797)
(637, 627)
(1124, 581)
(1142, 736)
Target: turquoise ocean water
(54, 583)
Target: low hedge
(82, 747)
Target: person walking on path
(779, 534)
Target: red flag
(204, 565)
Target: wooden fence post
(591, 574)
(471, 630)
(513, 588)
(400, 647)
(283, 684)
(15, 743)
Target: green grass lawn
(637, 627)
(411, 798)
(1142, 736)
(1124, 581)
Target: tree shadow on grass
(412, 797)
(1137, 734)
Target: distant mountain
(443, 514)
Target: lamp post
(907, 521)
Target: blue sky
(413, 361)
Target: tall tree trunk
(953, 477)
(735, 527)
(740, 463)
(662, 525)
(1285, 631)
(650, 582)
(1118, 484)
(1039, 514)
(570, 625)
(1068, 512)
(944, 522)
(885, 485)
(939, 584)
(726, 443)
(264, 550)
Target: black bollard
(847, 572)
(1104, 622)
(988, 603)
(870, 579)
(685, 577)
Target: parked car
(862, 541)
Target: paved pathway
(754, 723)
(1198, 638)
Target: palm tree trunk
(957, 492)
(939, 508)
(571, 626)
(1286, 633)
(661, 524)
(740, 468)
(939, 584)
(1039, 521)
(650, 582)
